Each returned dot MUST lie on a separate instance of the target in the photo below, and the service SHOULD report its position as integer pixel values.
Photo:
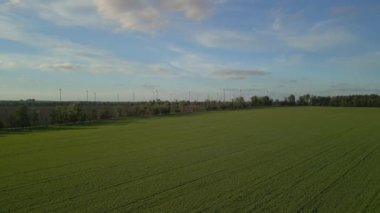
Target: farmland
(274, 160)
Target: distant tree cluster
(346, 101)
(335, 101)
(68, 114)
(19, 118)
(261, 101)
(32, 113)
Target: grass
(274, 160)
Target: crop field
(261, 160)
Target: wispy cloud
(314, 40)
(294, 32)
(238, 74)
(57, 54)
(150, 86)
(62, 55)
(68, 12)
(363, 63)
(226, 39)
(343, 10)
(137, 15)
(193, 64)
(350, 89)
(351, 10)
(289, 59)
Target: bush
(238, 103)
(58, 115)
(19, 118)
(106, 114)
(35, 117)
(93, 115)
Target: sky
(120, 49)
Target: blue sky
(131, 47)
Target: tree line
(33, 113)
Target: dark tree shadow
(72, 127)
(44, 129)
(95, 124)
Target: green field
(275, 160)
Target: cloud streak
(237, 74)
(130, 15)
(226, 40)
(314, 41)
(150, 15)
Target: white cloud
(62, 66)
(66, 56)
(58, 54)
(6, 63)
(193, 9)
(147, 15)
(227, 40)
(62, 55)
(204, 66)
(150, 15)
(131, 15)
(68, 12)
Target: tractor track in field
(50, 179)
(256, 182)
(59, 147)
(371, 200)
(63, 176)
(160, 173)
(77, 173)
(344, 174)
(250, 166)
(167, 190)
(135, 151)
(67, 164)
(51, 167)
(144, 177)
(303, 178)
(246, 168)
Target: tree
(58, 115)
(266, 101)
(304, 100)
(255, 101)
(261, 101)
(19, 118)
(93, 115)
(106, 114)
(118, 111)
(35, 117)
(291, 100)
(75, 113)
(238, 103)
(1, 125)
